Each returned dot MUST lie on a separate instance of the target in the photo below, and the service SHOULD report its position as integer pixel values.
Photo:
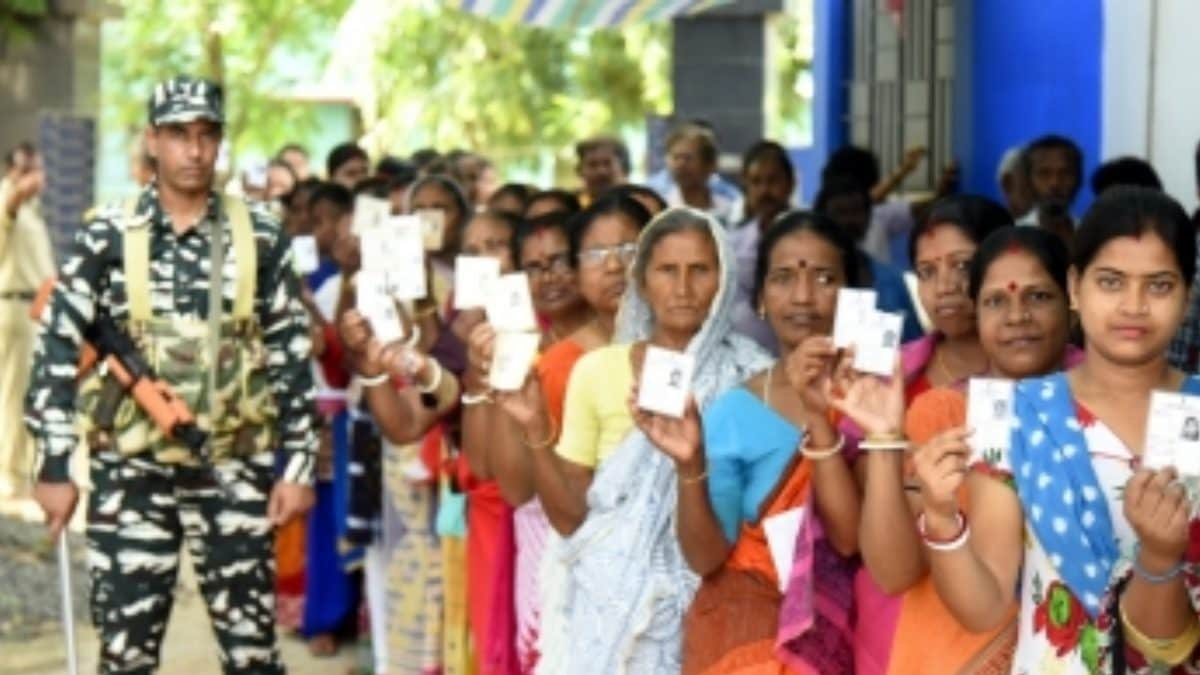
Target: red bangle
(939, 543)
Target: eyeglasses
(599, 255)
(556, 264)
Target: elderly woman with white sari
(618, 584)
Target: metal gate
(901, 90)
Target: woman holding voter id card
(776, 475)
(1018, 283)
(520, 440)
(618, 586)
(1065, 509)
(941, 248)
(407, 369)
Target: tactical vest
(240, 417)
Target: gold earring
(762, 312)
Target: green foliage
(424, 74)
(447, 79)
(19, 18)
(246, 45)
(789, 108)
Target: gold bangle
(897, 445)
(544, 444)
(885, 438)
(1169, 651)
(425, 312)
(694, 479)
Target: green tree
(425, 74)
(520, 94)
(19, 20)
(245, 45)
(789, 96)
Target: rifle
(125, 362)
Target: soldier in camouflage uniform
(147, 265)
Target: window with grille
(902, 83)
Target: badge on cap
(186, 99)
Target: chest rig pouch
(217, 366)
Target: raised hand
(29, 186)
(681, 439)
(465, 322)
(404, 361)
(316, 335)
(480, 346)
(809, 369)
(874, 403)
(912, 158)
(347, 252)
(526, 406)
(371, 360)
(408, 325)
(1159, 511)
(355, 331)
(941, 468)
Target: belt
(18, 296)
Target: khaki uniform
(26, 260)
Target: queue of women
(561, 529)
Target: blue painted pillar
(831, 71)
(1026, 68)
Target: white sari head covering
(626, 585)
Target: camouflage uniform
(151, 494)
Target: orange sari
(928, 638)
(731, 626)
(291, 553)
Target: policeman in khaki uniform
(243, 369)
(26, 258)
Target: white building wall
(1175, 116)
(1151, 89)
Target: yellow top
(26, 257)
(596, 412)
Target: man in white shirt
(1013, 183)
(692, 161)
(1053, 167)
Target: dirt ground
(189, 647)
